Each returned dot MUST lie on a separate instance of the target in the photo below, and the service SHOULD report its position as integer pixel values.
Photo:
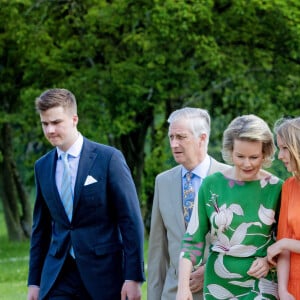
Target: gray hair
(249, 128)
(197, 119)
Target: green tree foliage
(14, 196)
(131, 63)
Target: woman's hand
(196, 279)
(259, 268)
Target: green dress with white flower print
(240, 216)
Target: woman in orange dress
(285, 253)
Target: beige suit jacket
(166, 232)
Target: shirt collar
(200, 170)
(75, 149)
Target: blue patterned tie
(66, 187)
(188, 197)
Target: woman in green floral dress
(238, 208)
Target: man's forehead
(51, 120)
(50, 117)
(179, 131)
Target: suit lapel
(87, 157)
(176, 196)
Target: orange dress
(289, 227)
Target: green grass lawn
(14, 267)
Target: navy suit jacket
(106, 230)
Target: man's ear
(75, 120)
(203, 137)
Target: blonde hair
(289, 131)
(249, 128)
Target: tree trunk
(133, 146)
(16, 204)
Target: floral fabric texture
(241, 219)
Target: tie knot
(188, 176)
(64, 156)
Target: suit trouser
(68, 285)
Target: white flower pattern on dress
(266, 215)
(265, 286)
(234, 246)
(222, 218)
(269, 179)
(229, 239)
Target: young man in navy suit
(95, 252)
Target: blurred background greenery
(130, 64)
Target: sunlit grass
(13, 266)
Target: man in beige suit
(189, 131)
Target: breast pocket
(93, 195)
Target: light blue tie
(66, 187)
(188, 197)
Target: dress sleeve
(193, 243)
(283, 228)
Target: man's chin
(54, 142)
(178, 159)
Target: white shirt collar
(75, 149)
(200, 170)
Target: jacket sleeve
(128, 215)
(40, 237)
(158, 257)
